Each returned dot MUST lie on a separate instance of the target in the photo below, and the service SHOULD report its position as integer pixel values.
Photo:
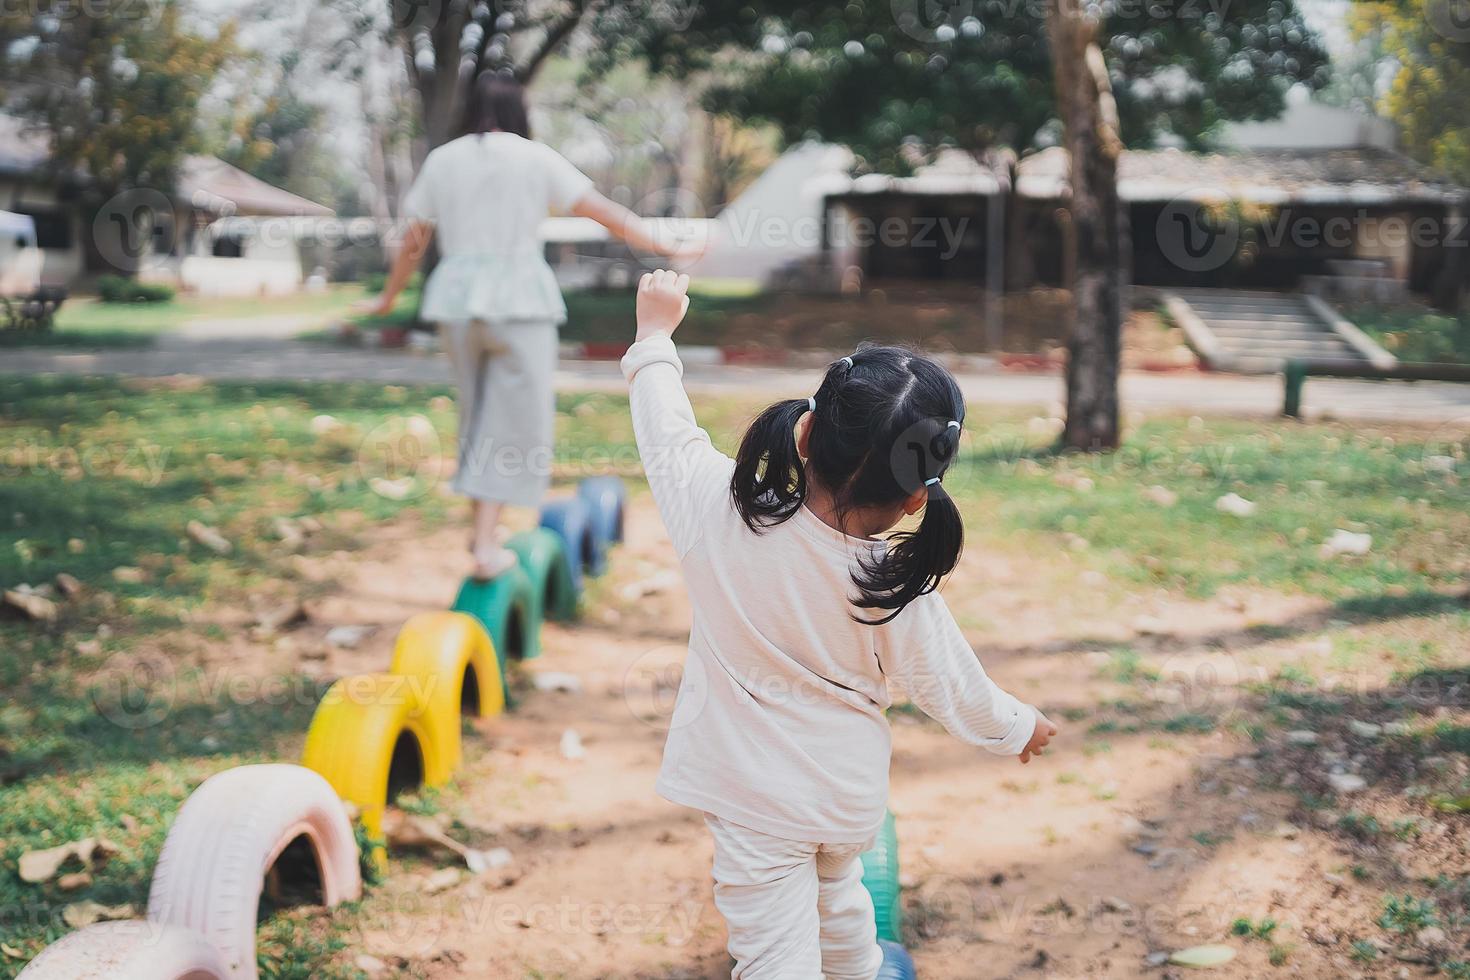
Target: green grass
(83, 321)
(1306, 481)
(97, 474)
(607, 317)
(1415, 333)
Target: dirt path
(1112, 847)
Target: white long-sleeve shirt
(779, 725)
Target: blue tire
(606, 496)
(897, 964)
(571, 519)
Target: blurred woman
(483, 197)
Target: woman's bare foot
(492, 562)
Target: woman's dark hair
(497, 101)
(880, 430)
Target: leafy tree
(116, 89)
(1429, 92)
(887, 78)
(877, 75)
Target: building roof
(205, 182)
(210, 184)
(951, 172)
(1360, 175)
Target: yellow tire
(451, 654)
(370, 740)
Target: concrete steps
(1255, 332)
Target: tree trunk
(1090, 124)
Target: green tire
(503, 607)
(544, 560)
(880, 877)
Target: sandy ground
(1079, 865)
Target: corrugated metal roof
(1362, 175)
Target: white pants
(507, 407)
(794, 910)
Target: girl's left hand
(663, 299)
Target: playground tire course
(452, 661)
(132, 950)
(370, 739)
(227, 836)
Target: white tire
(228, 834)
(129, 950)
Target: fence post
(1294, 375)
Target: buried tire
(503, 607)
(571, 519)
(131, 950)
(452, 656)
(228, 837)
(369, 740)
(544, 560)
(880, 877)
(606, 498)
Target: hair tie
(953, 424)
(931, 481)
(848, 362)
(811, 403)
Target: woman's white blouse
(486, 195)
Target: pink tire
(225, 839)
(130, 950)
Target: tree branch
(556, 35)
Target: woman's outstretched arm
(632, 229)
(415, 243)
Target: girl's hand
(663, 299)
(1041, 735)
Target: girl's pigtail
(916, 561)
(769, 482)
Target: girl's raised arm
(687, 474)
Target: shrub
(121, 289)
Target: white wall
(1307, 125)
(59, 267)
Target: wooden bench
(1296, 373)
(34, 311)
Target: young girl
(802, 616)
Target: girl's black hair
(497, 101)
(880, 430)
